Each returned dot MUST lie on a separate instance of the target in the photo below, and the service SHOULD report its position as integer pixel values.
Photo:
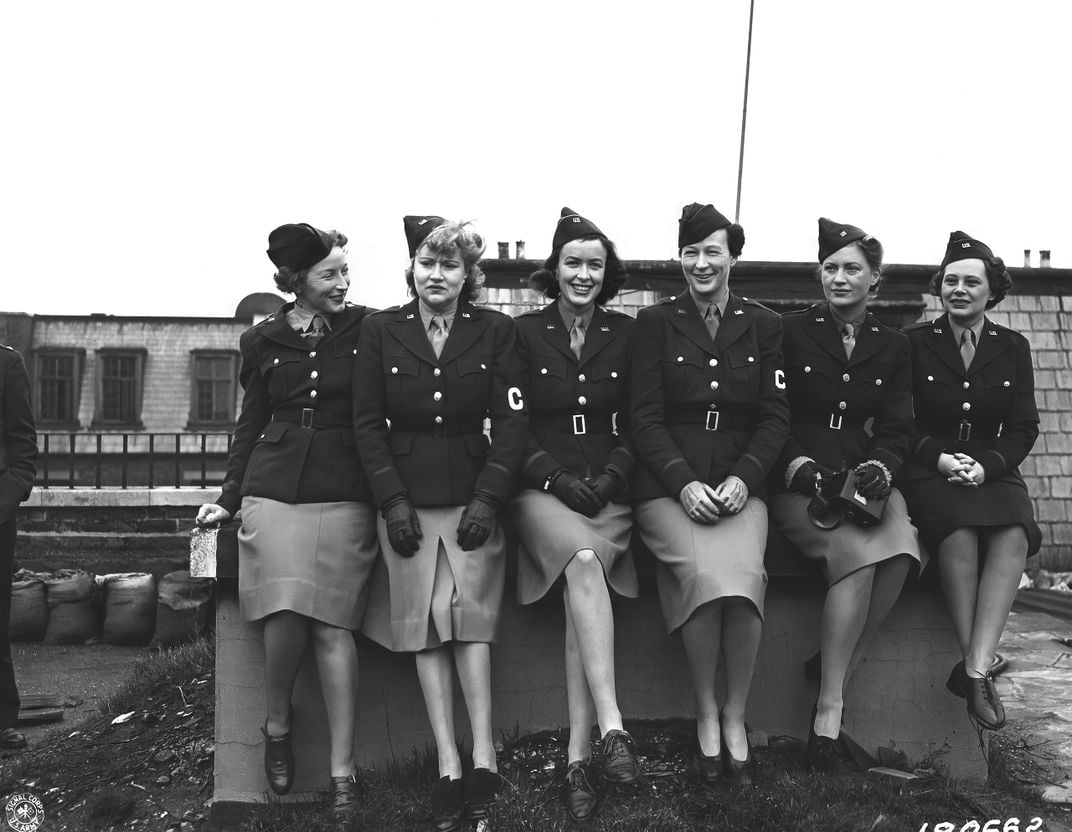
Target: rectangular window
(214, 378)
(57, 385)
(120, 376)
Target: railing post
(100, 445)
(44, 461)
(70, 457)
(126, 446)
(178, 461)
(152, 458)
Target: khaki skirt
(551, 534)
(440, 594)
(314, 559)
(849, 547)
(696, 563)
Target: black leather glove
(403, 527)
(572, 491)
(871, 480)
(604, 485)
(477, 521)
(808, 478)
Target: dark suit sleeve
(647, 415)
(255, 413)
(894, 424)
(509, 414)
(1020, 428)
(20, 437)
(772, 410)
(370, 414)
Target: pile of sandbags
(71, 606)
(1059, 581)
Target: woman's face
(847, 279)
(965, 290)
(324, 289)
(707, 265)
(581, 264)
(438, 277)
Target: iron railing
(125, 460)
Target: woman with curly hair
(850, 409)
(976, 421)
(308, 544)
(572, 514)
(431, 371)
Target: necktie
(437, 334)
(712, 318)
(576, 336)
(315, 331)
(967, 347)
(848, 338)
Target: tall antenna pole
(744, 109)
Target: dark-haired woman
(976, 421)
(307, 544)
(573, 515)
(709, 418)
(850, 408)
(435, 368)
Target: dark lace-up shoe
(983, 701)
(619, 758)
(345, 796)
(481, 785)
(278, 761)
(582, 799)
(448, 804)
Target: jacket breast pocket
(281, 371)
(741, 382)
(685, 377)
(401, 374)
(474, 374)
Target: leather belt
(711, 418)
(438, 430)
(578, 424)
(308, 417)
(835, 421)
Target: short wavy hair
(470, 245)
(614, 275)
(734, 238)
(873, 254)
(289, 280)
(997, 275)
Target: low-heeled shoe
(983, 701)
(955, 683)
(278, 761)
(739, 771)
(11, 739)
(822, 753)
(711, 769)
(582, 799)
(480, 786)
(619, 757)
(448, 804)
(345, 795)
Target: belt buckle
(711, 423)
(307, 417)
(580, 426)
(835, 421)
(964, 431)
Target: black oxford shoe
(582, 799)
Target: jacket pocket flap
(476, 364)
(273, 432)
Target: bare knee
(584, 566)
(327, 637)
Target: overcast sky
(150, 147)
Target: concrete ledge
(118, 497)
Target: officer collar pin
(409, 317)
(937, 330)
(874, 329)
(738, 311)
(993, 332)
(550, 326)
(465, 314)
(820, 319)
(607, 329)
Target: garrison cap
(297, 246)
(697, 223)
(834, 236)
(418, 228)
(963, 247)
(572, 226)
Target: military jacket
(578, 408)
(987, 411)
(294, 438)
(18, 452)
(420, 419)
(702, 410)
(843, 411)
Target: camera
(839, 497)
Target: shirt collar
(702, 304)
(569, 315)
(855, 323)
(958, 330)
(427, 314)
(300, 318)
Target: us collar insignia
(607, 329)
(738, 311)
(466, 315)
(820, 319)
(937, 330)
(550, 326)
(874, 329)
(993, 332)
(409, 317)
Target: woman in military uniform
(431, 372)
(976, 421)
(307, 544)
(572, 514)
(850, 407)
(709, 417)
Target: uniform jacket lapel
(686, 319)
(942, 343)
(464, 332)
(869, 341)
(600, 333)
(735, 323)
(556, 333)
(992, 343)
(823, 331)
(408, 329)
(277, 329)
(341, 324)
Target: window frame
(195, 422)
(139, 354)
(78, 354)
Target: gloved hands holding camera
(873, 480)
(808, 478)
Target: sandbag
(29, 609)
(129, 608)
(182, 608)
(72, 618)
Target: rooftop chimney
(520, 250)
(1044, 258)
(504, 250)
(1027, 257)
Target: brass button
(394, 371)
(966, 406)
(313, 354)
(930, 378)
(437, 396)
(713, 362)
(276, 361)
(314, 374)
(582, 400)
(714, 385)
(437, 372)
(751, 359)
(680, 358)
(845, 377)
(807, 368)
(842, 405)
(312, 394)
(1007, 383)
(613, 373)
(543, 371)
(878, 381)
(439, 420)
(581, 377)
(967, 384)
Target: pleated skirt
(314, 559)
(849, 547)
(551, 534)
(696, 564)
(440, 594)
